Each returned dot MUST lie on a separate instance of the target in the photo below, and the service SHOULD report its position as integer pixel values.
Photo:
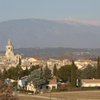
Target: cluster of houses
(53, 84)
(11, 60)
(24, 85)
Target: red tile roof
(53, 81)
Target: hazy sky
(49, 9)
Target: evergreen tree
(98, 69)
(18, 71)
(47, 73)
(11, 73)
(37, 77)
(64, 73)
(55, 70)
(4, 73)
(1, 74)
(19, 63)
(73, 74)
(14, 72)
(25, 72)
(33, 67)
(88, 73)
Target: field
(80, 95)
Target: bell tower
(9, 51)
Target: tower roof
(9, 42)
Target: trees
(17, 72)
(13, 73)
(0, 74)
(47, 73)
(40, 76)
(4, 74)
(25, 72)
(98, 69)
(73, 74)
(64, 73)
(37, 77)
(33, 67)
(88, 73)
(55, 70)
(68, 73)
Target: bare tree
(6, 92)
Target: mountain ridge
(58, 53)
(48, 33)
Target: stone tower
(9, 51)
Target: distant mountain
(61, 53)
(27, 33)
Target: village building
(52, 84)
(10, 59)
(90, 83)
(9, 54)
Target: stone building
(9, 54)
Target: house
(90, 83)
(52, 84)
(31, 87)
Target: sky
(49, 9)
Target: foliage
(17, 72)
(14, 72)
(25, 72)
(0, 74)
(88, 73)
(64, 73)
(47, 73)
(73, 74)
(4, 74)
(55, 70)
(19, 64)
(33, 67)
(98, 69)
(37, 77)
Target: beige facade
(90, 82)
(9, 54)
(9, 51)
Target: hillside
(30, 33)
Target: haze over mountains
(42, 33)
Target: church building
(9, 54)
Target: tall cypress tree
(5, 73)
(47, 73)
(55, 70)
(73, 74)
(98, 69)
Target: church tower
(9, 51)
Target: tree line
(39, 75)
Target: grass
(78, 95)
